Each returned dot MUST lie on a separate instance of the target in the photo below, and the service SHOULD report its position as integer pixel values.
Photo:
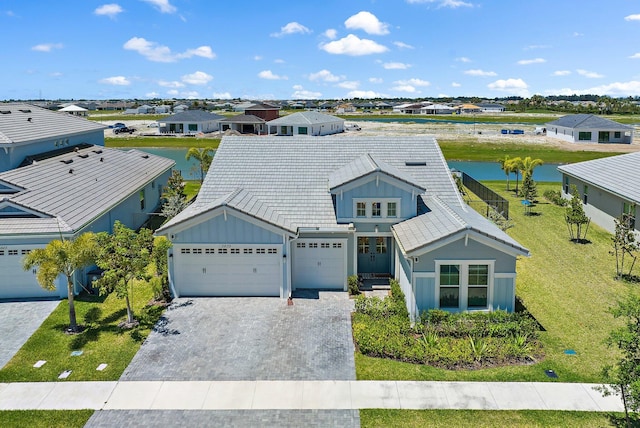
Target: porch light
(375, 229)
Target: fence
(487, 195)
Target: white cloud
(576, 34)
(403, 45)
(635, 56)
(152, 95)
(197, 78)
(377, 80)
(257, 58)
(621, 89)
(268, 75)
(405, 88)
(530, 47)
(291, 28)
(367, 22)
(325, 76)
(159, 53)
(302, 94)
(455, 84)
(532, 61)
(46, 47)
(111, 10)
(222, 95)
(561, 73)
(453, 4)
(635, 17)
(589, 74)
(412, 82)
(279, 61)
(349, 84)
(162, 5)
(353, 46)
(173, 92)
(56, 74)
(331, 34)
(364, 94)
(115, 80)
(190, 95)
(481, 73)
(170, 84)
(513, 86)
(395, 66)
(463, 59)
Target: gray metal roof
(365, 165)
(191, 116)
(291, 175)
(445, 220)
(305, 118)
(15, 126)
(588, 121)
(243, 118)
(72, 194)
(615, 174)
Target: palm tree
(504, 165)
(62, 257)
(528, 164)
(515, 166)
(204, 157)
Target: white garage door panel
(15, 282)
(217, 271)
(319, 263)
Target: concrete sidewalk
(299, 395)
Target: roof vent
(83, 156)
(25, 110)
(71, 171)
(145, 156)
(29, 119)
(101, 159)
(97, 151)
(5, 111)
(67, 161)
(415, 163)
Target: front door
(374, 254)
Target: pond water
(478, 170)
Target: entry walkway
(302, 395)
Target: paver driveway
(250, 339)
(18, 321)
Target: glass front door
(374, 254)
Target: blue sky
(307, 49)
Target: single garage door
(15, 282)
(319, 263)
(228, 270)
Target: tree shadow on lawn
(95, 327)
(618, 420)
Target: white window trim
(464, 286)
(383, 209)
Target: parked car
(119, 125)
(153, 125)
(123, 130)
(352, 127)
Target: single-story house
(437, 109)
(68, 192)
(306, 123)
(589, 128)
(468, 108)
(244, 124)
(75, 110)
(275, 215)
(28, 130)
(491, 107)
(190, 122)
(609, 187)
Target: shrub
(352, 284)
(555, 197)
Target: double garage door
(228, 270)
(15, 282)
(319, 263)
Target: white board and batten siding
(15, 282)
(228, 270)
(319, 264)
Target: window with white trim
(392, 209)
(361, 209)
(464, 285)
(378, 208)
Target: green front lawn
(102, 342)
(567, 287)
(44, 418)
(486, 418)
(168, 142)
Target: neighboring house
(468, 108)
(491, 107)
(180, 108)
(190, 122)
(285, 213)
(68, 192)
(345, 108)
(244, 124)
(75, 110)
(609, 187)
(437, 109)
(589, 128)
(306, 123)
(163, 109)
(28, 130)
(264, 111)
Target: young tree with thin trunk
(625, 245)
(575, 217)
(515, 166)
(506, 167)
(124, 256)
(62, 257)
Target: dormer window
(361, 209)
(376, 208)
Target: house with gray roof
(589, 128)
(609, 188)
(28, 130)
(306, 123)
(244, 124)
(62, 194)
(286, 213)
(190, 122)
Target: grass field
(44, 418)
(102, 342)
(567, 287)
(170, 142)
(374, 418)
